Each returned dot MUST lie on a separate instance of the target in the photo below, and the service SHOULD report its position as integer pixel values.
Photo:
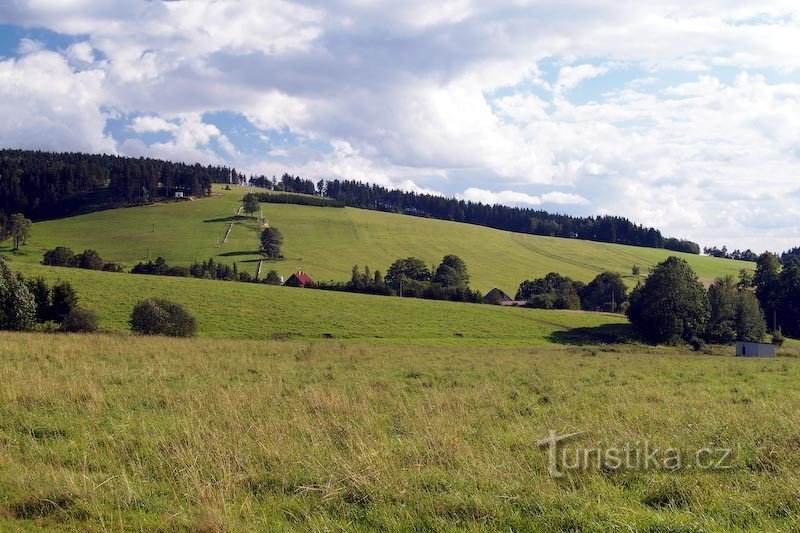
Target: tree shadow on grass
(242, 252)
(232, 218)
(606, 334)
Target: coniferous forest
(44, 185)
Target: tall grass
(114, 432)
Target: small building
(496, 296)
(178, 194)
(299, 279)
(755, 349)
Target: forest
(43, 185)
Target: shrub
(17, 303)
(59, 256)
(80, 320)
(777, 337)
(272, 278)
(156, 316)
(64, 300)
(90, 260)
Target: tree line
(44, 185)
(522, 220)
(410, 277)
(738, 255)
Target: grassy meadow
(231, 310)
(327, 242)
(110, 432)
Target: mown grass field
(226, 309)
(103, 433)
(327, 242)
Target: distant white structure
(755, 349)
(178, 194)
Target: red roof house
(299, 279)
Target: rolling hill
(327, 242)
(230, 310)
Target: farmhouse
(299, 279)
(755, 349)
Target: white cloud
(191, 141)
(474, 194)
(46, 105)
(29, 46)
(571, 77)
(151, 124)
(455, 95)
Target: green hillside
(229, 310)
(327, 242)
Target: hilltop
(327, 242)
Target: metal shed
(755, 349)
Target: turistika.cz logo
(631, 456)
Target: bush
(90, 260)
(272, 278)
(64, 300)
(80, 320)
(777, 338)
(17, 302)
(156, 316)
(59, 256)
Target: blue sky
(681, 115)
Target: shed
(299, 279)
(496, 296)
(178, 194)
(755, 349)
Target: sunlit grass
(119, 432)
(327, 242)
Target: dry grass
(112, 433)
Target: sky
(682, 115)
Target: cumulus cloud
(521, 199)
(453, 96)
(191, 140)
(46, 105)
(571, 77)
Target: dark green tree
(409, 268)
(723, 297)
(271, 242)
(606, 292)
(750, 323)
(767, 280)
(59, 256)
(17, 304)
(41, 295)
(272, 278)
(788, 308)
(452, 272)
(64, 300)
(250, 204)
(672, 305)
(553, 291)
(90, 260)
